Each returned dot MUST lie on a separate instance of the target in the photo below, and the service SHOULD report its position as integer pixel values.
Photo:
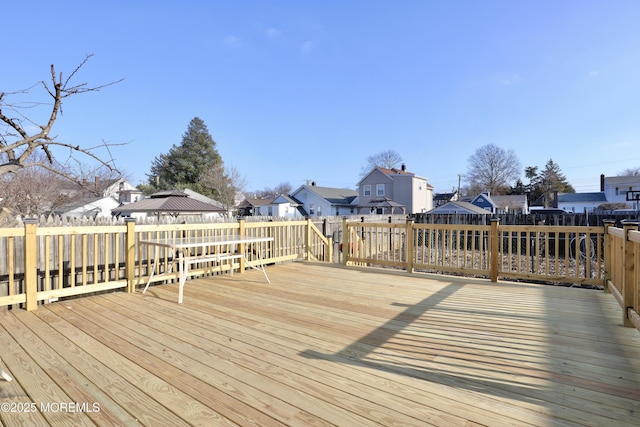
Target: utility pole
(459, 178)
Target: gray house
(394, 191)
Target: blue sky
(305, 90)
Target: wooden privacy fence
(563, 254)
(622, 255)
(46, 263)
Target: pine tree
(547, 181)
(185, 165)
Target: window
(311, 208)
(617, 191)
(366, 190)
(379, 189)
(270, 211)
(319, 210)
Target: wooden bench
(217, 258)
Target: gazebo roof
(170, 201)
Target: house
(314, 200)
(281, 207)
(171, 203)
(580, 202)
(621, 189)
(389, 191)
(96, 199)
(441, 198)
(502, 204)
(484, 201)
(285, 207)
(252, 206)
(90, 207)
(118, 188)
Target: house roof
(394, 171)
(390, 172)
(380, 202)
(335, 196)
(458, 208)
(285, 199)
(253, 202)
(443, 196)
(76, 204)
(582, 197)
(172, 201)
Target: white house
(325, 201)
(384, 191)
(88, 207)
(617, 188)
(98, 198)
(580, 202)
(284, 207)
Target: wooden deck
(324, 345)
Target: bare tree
(271, 193)
(492, 169)
(385, 159)
(31, 192)
(630, 172)
(21, 136)
(34, 191)
(225, 183)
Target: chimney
(602, 182)
(403, 167)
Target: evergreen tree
(546, 182)
(185, 165)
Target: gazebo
(172, 203)
(387, 205)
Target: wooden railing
(622, 256)
(535, 253)
(41, 264)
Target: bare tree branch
(18, 145)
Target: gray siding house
(394, 191)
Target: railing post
(628, 285)
(30, 264)
(494, 255)
(607, 253)
(345, 241)
(241, 246)
(130, 260)
(308, 240)
(409, 245)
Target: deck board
(327, 345)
